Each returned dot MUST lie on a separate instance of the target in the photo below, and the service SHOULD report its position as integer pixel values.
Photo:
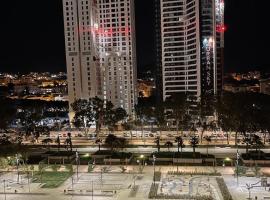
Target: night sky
(32, 35)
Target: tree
(193, 142)
(248, 141)
(58, 142)
(159, 114)
(122, 143)
(96, 110)
(111, 141)
(69, 141)
(157, 141)
(258, 144)
(204, 128)
(7, 112)
(99, 111)
(112, 116)
(180, 143)
(207, 108)
(29, 115)
(120, 114)
(178, 104)
(47, 142)
(10, 88)
(261, 116)
(238, 111)
(143, 114)
(169, 144)
(84, 115)
(208, 140)
(5, 140)
(99, 142)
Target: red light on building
(221, 28)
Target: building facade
(117, 52)
(192, 42)
(101, 51)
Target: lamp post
(92, 190)
(142, 157)
(139, 163)
(77, 163)
(28, 181)
(237, 166)
(249, 187)
(134, 178)
(154, 160)
(17, 165)
(5, 189)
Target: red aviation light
(221, 28)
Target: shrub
(90, 168)
(55, 167)
(69, 168)
(154, 195)
(194, 173)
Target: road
(217, 151)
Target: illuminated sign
(208, 64)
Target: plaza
(110, 183)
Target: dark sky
(32, 37)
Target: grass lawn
(51, 179)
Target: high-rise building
(117, 51)
(158, 51)
(101, 51)
(192, 42)
(81, 52)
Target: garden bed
(51, 179)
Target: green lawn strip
(51, 179)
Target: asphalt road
(217, 151)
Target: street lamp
(154, 160)
(139, 163)
(4, 181)
(134, 178)
(92, 190)
(17, 165)
(142, 157)
(77, 163)
(237, 166)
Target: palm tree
(193, 142)
(157, 141)
(208, 140)
(168, 144)
(180, 143)
(99, 142)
